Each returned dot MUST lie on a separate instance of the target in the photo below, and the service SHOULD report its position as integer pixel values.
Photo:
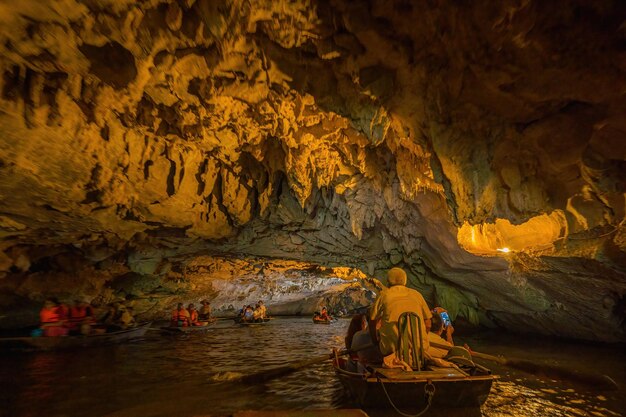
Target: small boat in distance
(190, 329)
(318, 320)
(68, 342)
(239, 320)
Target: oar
(292, 367)
(553, 371)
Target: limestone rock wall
(138, 137)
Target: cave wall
(139, 136)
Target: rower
(324, 315)
(180, 317)
(205, 310)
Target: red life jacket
(50, 315)
(78, 314)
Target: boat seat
(434, 373)
(410, 348)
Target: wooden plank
(401, 375)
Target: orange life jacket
(50, 315)
(180, 315)
(193, 316)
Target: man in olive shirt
(388, 307)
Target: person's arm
(449, 331)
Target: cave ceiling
(431, 135)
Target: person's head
(436, 324)
(49, 303)
(323, 309)
(357, 323)
(191, 307)
(180, 306)
(205, 302)
(260, 303)
(396, 276)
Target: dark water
(176, 375)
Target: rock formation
(140, 139)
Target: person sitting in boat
(205, 310)
(358, 340)
(180, 317)
(390, 304)
(248, 314)
(434, 336)
(194, 316)
(81, 317)
(259, 311)
(118, 317)
(125, 317)
(52, 319)
(446, 322)
(324, 315)
(358, 323)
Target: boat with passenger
(96, 338)
(434, 386)
(253, 322)
(199, 326)
(319, 320)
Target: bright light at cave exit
(503, 237)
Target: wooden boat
(380, 387)
(317, 320)
(190, 329)
(68, 342)
(238, 320)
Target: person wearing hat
(389, 305)
(205, 310)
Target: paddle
(552, 371)
(292, 367)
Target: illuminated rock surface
(141, 140)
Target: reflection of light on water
(508, 398)
(225, 376)
(505, 250)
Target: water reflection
(169, 375)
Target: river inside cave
(174, 375)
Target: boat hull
(189, 329)
(68, 342)
(409, 394)
(238, 320)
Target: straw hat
(460, 356)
